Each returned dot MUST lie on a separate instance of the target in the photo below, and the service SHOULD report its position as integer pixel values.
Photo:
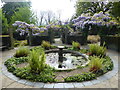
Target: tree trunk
(30, 37)
(11, 38)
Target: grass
(46, 44)
(95, 64)
(22, 52)
(97, 50)
(75, 45)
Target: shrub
(23, 43)
(83, 51)
(75, 45)
(93, 39)
(25, 73)
(38, 48)
(97, 50)
(20, 43)
(80, 77)
(22, 52)
(37, 61)
(95, 64)
(46, 44)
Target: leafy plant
(46, 44)
(75, 45)
(22, 52)
(84, 51)
(25, 73)
(80, 77)
(20, 43)
(107, 64)
(12, 62)
(97, 50)
(95, 64)
(23, 43)
(37, 61)
(38, 48)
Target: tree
(91, 7)
(50, 17)
(10, 8)
(3, 23)
(41, 18)
(25, 15)
(115, 11)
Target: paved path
(109, 80)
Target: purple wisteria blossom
(99, 19)
(24, 27)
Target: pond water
(70, 61)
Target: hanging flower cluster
(99, 19)
(24, 27)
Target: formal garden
(80, 54)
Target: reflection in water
(71, 61)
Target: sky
(63, 7)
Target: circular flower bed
(33, 67)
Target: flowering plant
(24, 27)
(101, 20)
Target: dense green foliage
(38, 71)
(3, 23)
(45, 76)
(85, 51)
(12, 62)
(25, 15)
(80, 77)
(20, 43)
(46, 44)
(91, 7)
(95, 64)
(25, 72)
(107, 64)
(37, 61)
(75, 45)
(11, 7)
(97, 50)
(115, 11)
(22, 52)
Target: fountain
(62, 59)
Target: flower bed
(38, 71)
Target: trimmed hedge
(77, 38)
(111, 42)
(37, 40)
(5, 42)
(16, 35)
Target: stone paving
(108, 80)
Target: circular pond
(71, 59)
